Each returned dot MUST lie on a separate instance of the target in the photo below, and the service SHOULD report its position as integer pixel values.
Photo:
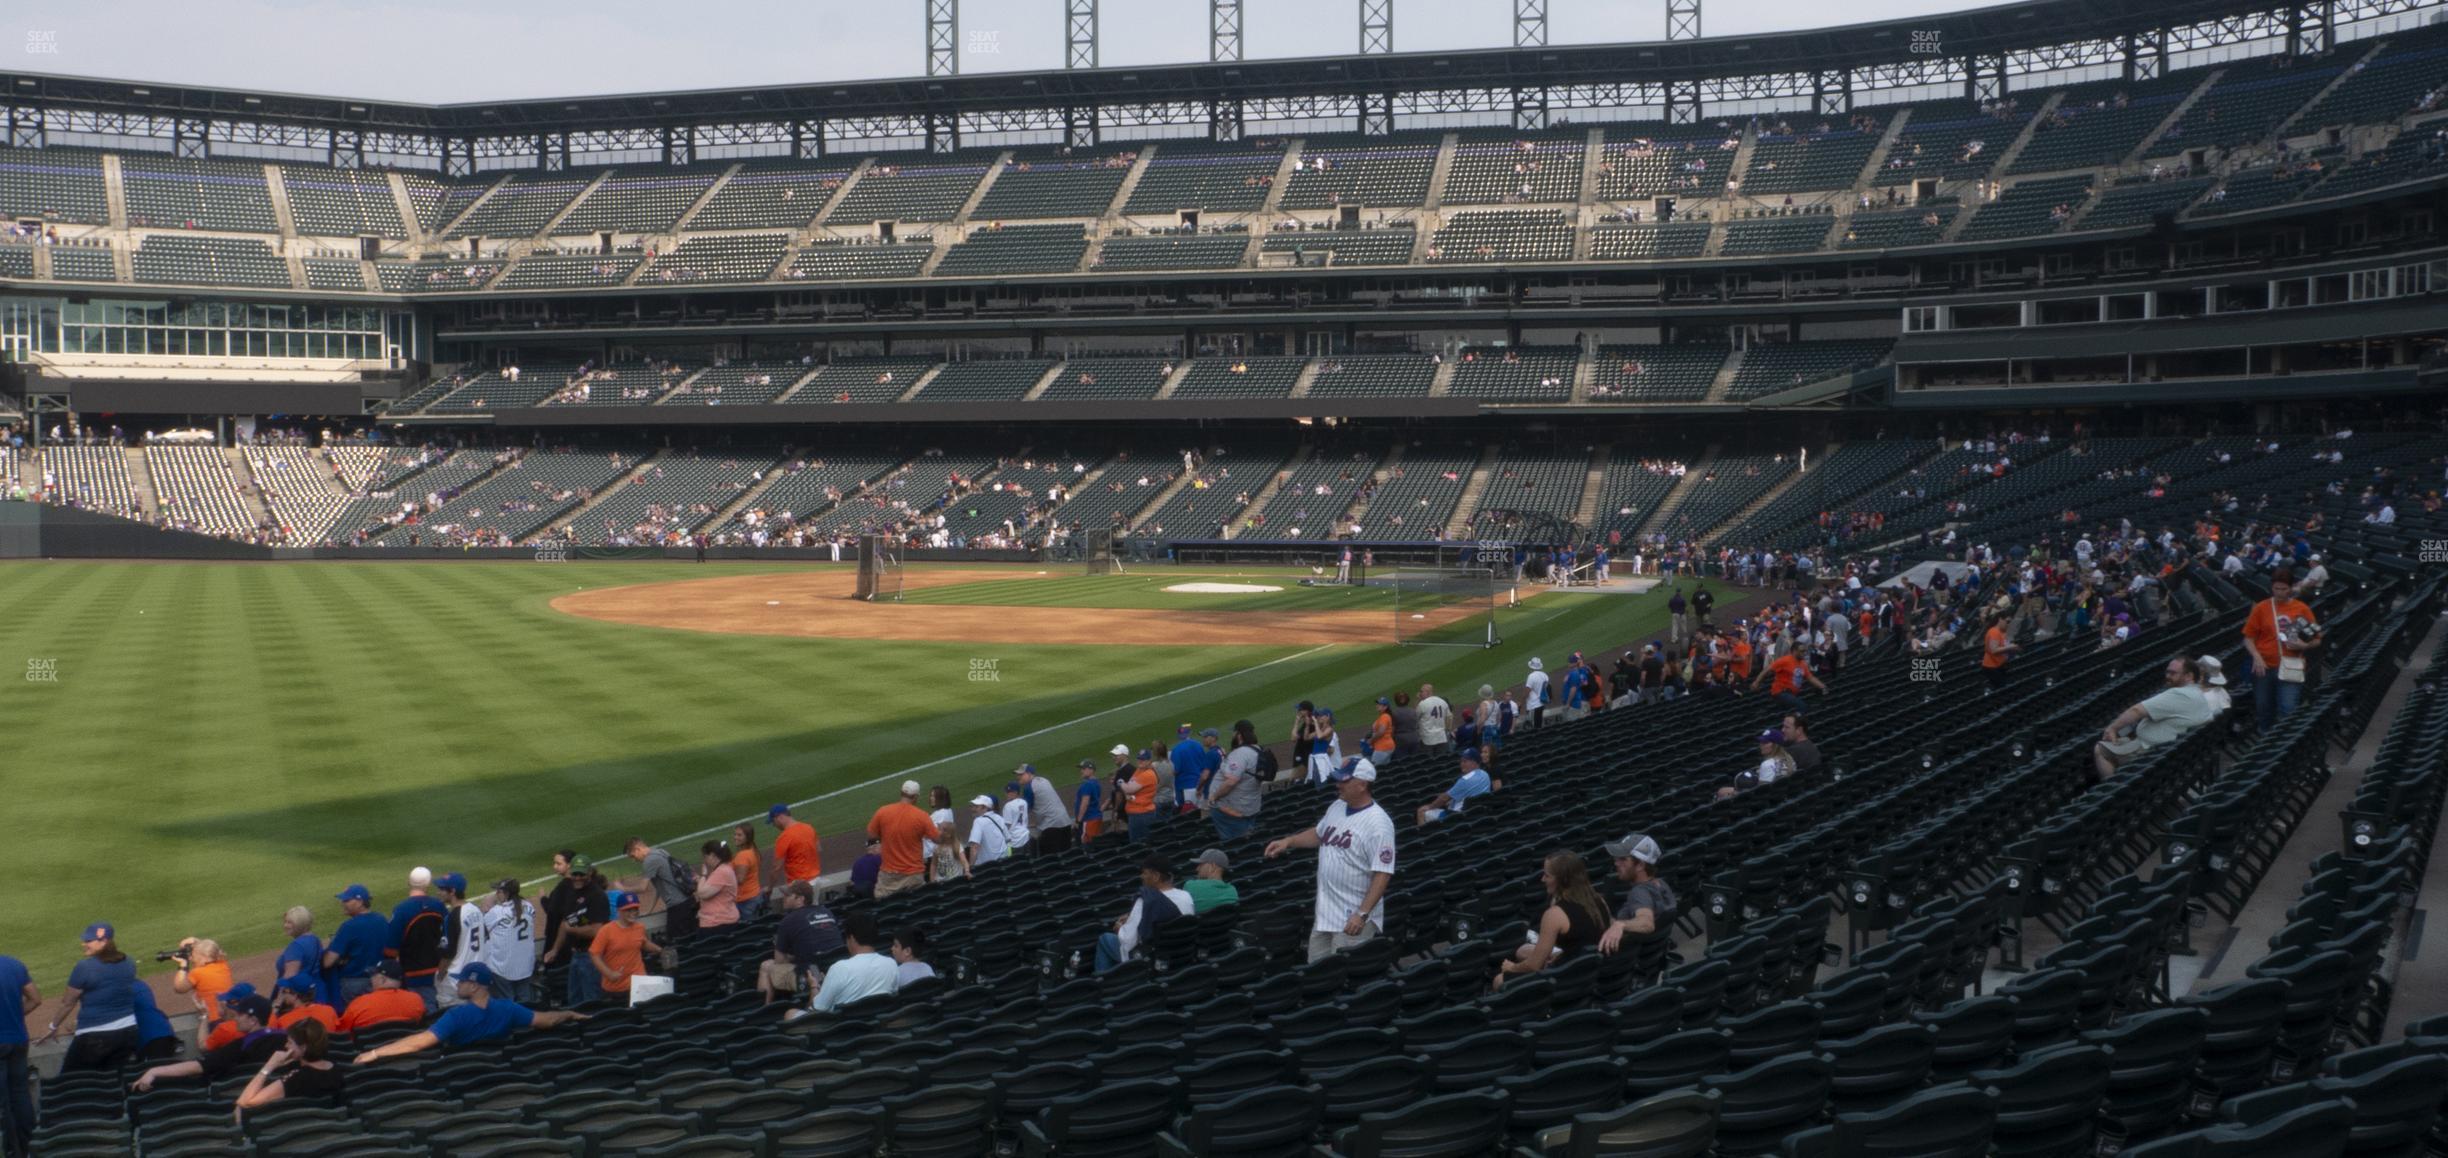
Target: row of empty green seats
(196, 488)
(331, 273)
(1389, 173)
(328, 202)
(1542, 481)
(1220, 486)
(1631, 242)
(1844, 473)
(1217, 178)
(721, 257)
(1416, 497)
(1951, 141)
(1665, 372)
(1312, 500)
(673, 495)
(434, 276)
(1768, 367)
(522, 206)
(2247, 104)
(2135, 202)
(1503, 235)
(1797, 162)
(772, 195)
(738, 384)
(1055, 183)
(1115, 378)
(984, 380)
(916, 190)
(1787, 233)
(848, 260)
(638, 200)
(186, 260)
(2027, 208)
(16, 260)
(1528, 169)
(2098, 124)
(1015, 249)
(83, 263)
(1225, 376)
(570, 270)
(1655, 161)
(1374, 376)
(1174, 251)
(1920, 226)
(63, 185)
(1515, 374)
(2410, 67)
(183, 192)
(1389, 245)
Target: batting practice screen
(1442, 606)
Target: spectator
(1139, 797)
(1995, 649)
(988, 842)
(478, 1016)
(419, 927)
(1014, 814)
(1775, 764)
(1574, 919)
(619, 949)
(866, 869)
(2280, 633)
(717, 892)
(303, 956)
(1474, 781)
(460, 936)
(1355, 840)
(1189, 758)
(794, 846)
(749, 868)
(864, 973)
(1435, 720)
(673, 887)
(505, 933)
(388, 1001)
(2214, 685)
(1156, 905)
(1577, 689)
(214, 1032)
(1798, 745)
(1678, 621)
(19, 998)
(1534, 703)
(1406, 725)
(2156, 722)
(909, 958)
(1233, 793)
(1786, 676)
(1207, 887)
(1648, 913)
(902, 831)
(293, 1001)
(356, 946)
(203, 974)
(1050, 829)
(807, 936)
(589, 911)
(1088, 802)
(155, 1040)
(255, 1044)
(299, 1069)
(948, 856)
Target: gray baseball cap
(1638, 846)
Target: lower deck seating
(198, 488)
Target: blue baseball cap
(624, 900)
(355, 893)
(1470, 754)
(455, 882)
(236, 993)
(300, 983)
(98, 931)
(776, 810)
(474, 973)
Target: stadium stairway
(1662, 515)
(1723, 384)
(1467, 505)
(140, 483)
(1266, 494)
(1440, 173)
(1593, 488)
(559, 527)
(2175, 117)
(1735, 519)
(279, 193)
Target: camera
(179, 954)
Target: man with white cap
(2214, 685)
(1648, 912)
(1534, 703)
(2313, 576)
(987, 844)
(1355, 843)
(901, 830)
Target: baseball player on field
(1355, 844)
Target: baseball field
(191, 748)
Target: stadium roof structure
(1975, 51)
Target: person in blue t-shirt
(303, 957)
(356, 946)
(102, 997)
(1473, 782)
(155, 1039)
(1088, 802)
(18, 999)
(478, 1016)
(1189, 764)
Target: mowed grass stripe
(1146, 591)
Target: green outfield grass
(222, 741)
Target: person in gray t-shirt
(1234, 794)
(1648, 913)
(1049, 822)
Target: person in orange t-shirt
(620, 948)
(1789, 672)
(795, 847)
(1994, 649)
(386, 1002)
(1139, 797)
(1741, 662)
(746, 864)
(203, 973)
(293, 1001)
(901, 830)
(2280, 628)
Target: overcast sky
(444, 51)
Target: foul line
(891, 776)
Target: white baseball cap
(1637, 846)
(1356, 768)
(1535, 664)
(909, 788)
(419, 877)
(1121, 750)
(982, 801)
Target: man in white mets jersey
(1355, 844)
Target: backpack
(422, 943)
(1268, 765)
(683, 873)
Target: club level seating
(1374, 376)
(1116, 378)
(522, 206)
(2412, 155)
(1729, 484)
(917, 191)
(1892, 230)
(1673, 372)
(1545, 482)
(1503, 235)
(1388, 245)
(407, 277)
(328, 202)
(436, 202)
(1656, 161)
(2258, 187)
(1217, 179)
(497, 390)
(802, 486)
(771, 195)
(1174, 251)
(183, 260)
(1516, 374)
(1936, 141)
(1048, 183)
(1114, 490)
(841, 260)
(2387, 86)
(1526, 170)
(1805, 161)
(517, 501)
(670, 497)
(333, 273)
(195, 486)
(639, 201)
(1416, 497)
(1790, 519)
(1772, 366)
(1212, 501)
(62, 185)
(2090, 128)
(2137, 202)
(2246, 104)
(1312, 499)
(1015, 249)
(1223, 376)
(984, 380)
(738, 384)
(1640, 242)
(94, 478)
(570, 270)
(1379, 174)
(729, 257)
(17, 261)
(623, 384)
(1797, 233)
(2026, 209)
(173, 192)
(83, 263)
(1629, 495)
(866, 378)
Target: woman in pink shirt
(717, 888)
